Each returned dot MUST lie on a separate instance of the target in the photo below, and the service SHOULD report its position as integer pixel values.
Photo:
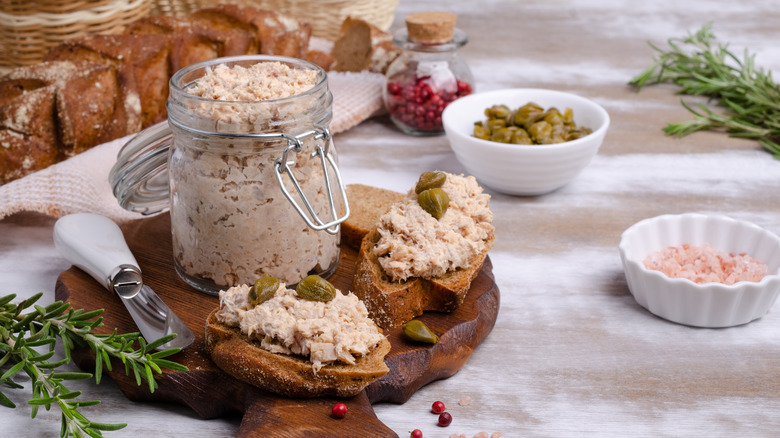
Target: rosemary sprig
(749, 96)
(26, 326)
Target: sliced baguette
(289, 375)
(392, 303)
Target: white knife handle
(96, 245)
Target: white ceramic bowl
(702, 305)
(520, 169)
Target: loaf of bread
(140, 60)
(362, 46)
(392, 302)
(194, 41)
(54, 110)
(274, 33)
(96, 88)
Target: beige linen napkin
(80, 184)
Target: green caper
(568, 116)
(501, 135)
(577, 133)
(416, 330)
(541, 132)
(482, 132)
(263, 290)
(553, 117)
(521, 137)
(435, 201)
(315, 288)
(500, 111)
(528, 114)
(496, 123)
(430, 180)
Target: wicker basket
(29, 28)
(325, 16)
(178, 8)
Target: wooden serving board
(212, 393)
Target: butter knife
(95, 244)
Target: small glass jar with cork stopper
(428, 75)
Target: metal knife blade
(95, 244)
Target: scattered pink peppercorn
(417, 433)
(438, 407)
(339, 410)
(445, 419)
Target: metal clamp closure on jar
(282, 165)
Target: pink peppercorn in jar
(428, 75)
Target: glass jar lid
(139, 179)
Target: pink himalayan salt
(704, 264)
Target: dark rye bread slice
(366, 205)
(289, 375)
(392, 303)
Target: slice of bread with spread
(294, 346)
(429, 263)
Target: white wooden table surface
(572, 354)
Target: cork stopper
(431, 27)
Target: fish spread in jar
(230, 220)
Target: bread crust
(142, 63)
(27, 134)
(54, 110)
(289, 375)
(366, 205)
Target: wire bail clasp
(283, 165)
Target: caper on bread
(309, 342)
(424, 251)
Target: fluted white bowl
(701, 305)
(523, 169)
